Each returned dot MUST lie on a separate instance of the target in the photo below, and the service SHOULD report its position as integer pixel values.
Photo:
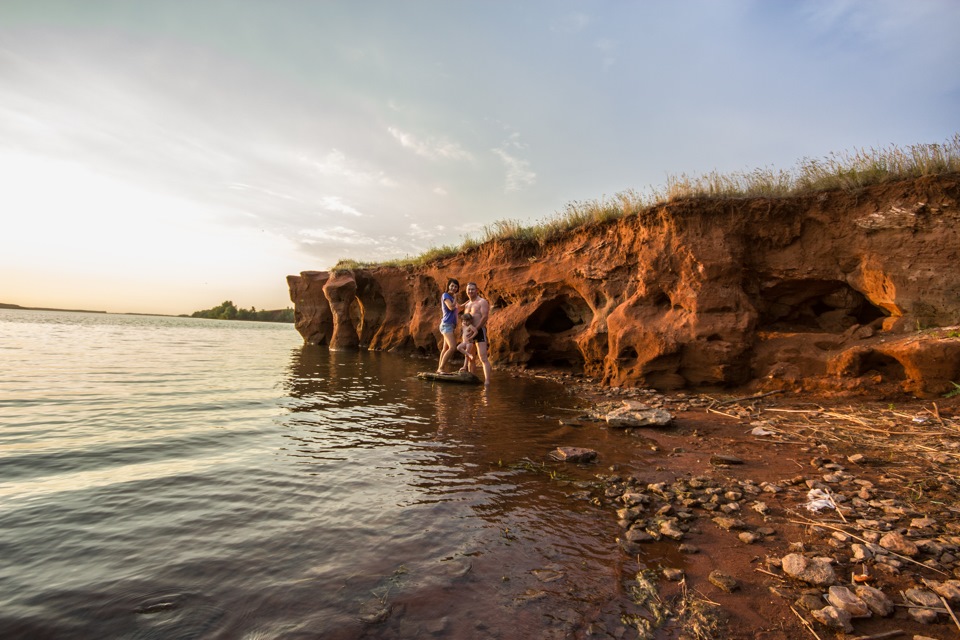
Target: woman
(448, 324)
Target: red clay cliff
(834, 291)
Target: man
(480, 310)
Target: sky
(162, 157)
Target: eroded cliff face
(832, 291)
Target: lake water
(187, 478)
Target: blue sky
(162, 157)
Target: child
(469, 333)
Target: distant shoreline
(4, 305)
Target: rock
(923, 616)
(834, 618)
(628, 514)
(627, 417)
(949, 589)
(896, 543)
(748, 537)
(669, 529)
(843, 598)
(729, 524)
(689, 548)
(810, 602)
(861, 552)
(574, 454)
(923, 598)
(633, 498)
(817, 571)
(638, 535)
(723, 581)
(720, 460)
(922, 523)
(876, 600)
(673, 575)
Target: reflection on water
(177, 478)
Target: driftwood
(461, 377)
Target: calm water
(185, 478)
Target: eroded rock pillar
(341, 291)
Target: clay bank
(849, 291)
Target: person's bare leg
(446, 350)
(485, 361)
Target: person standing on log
(448, 323)
(480, 310)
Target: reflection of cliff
(819, 291)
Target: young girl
(469, 333)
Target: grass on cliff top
(837, 171)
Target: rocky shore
(788, 517)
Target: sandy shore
(731, 484)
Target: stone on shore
(817, 571)
(834, 618)
(896, 543)
(876, 600)
(636, 414)
(723, 581)
(574, 454)
(843, 598)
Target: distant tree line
(226, 310)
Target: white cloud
(607, 49)
(336, 205)
(433, 148)
(519, 175)
(440, 191)
(336, 235)
(336, 164)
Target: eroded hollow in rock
(889, 368)
(368, 310)
(830, 306)
(552, 328)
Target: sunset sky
(164, 156)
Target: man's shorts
(481, 335)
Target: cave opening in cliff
(551, 329)
(806, 305)
(889, 368)
(559, 315)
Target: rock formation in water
(827, 291)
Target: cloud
(336, 164)
(337, 236)
(432, 148)
(440, 191)
(336, 205)
(607, 49)
(519, 174)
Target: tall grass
(845, 170)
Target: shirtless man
(480, 310)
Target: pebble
(834, 618)
(875, 599)
(896, 543)
(673, 575)
(843, 598)
(723, 581)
